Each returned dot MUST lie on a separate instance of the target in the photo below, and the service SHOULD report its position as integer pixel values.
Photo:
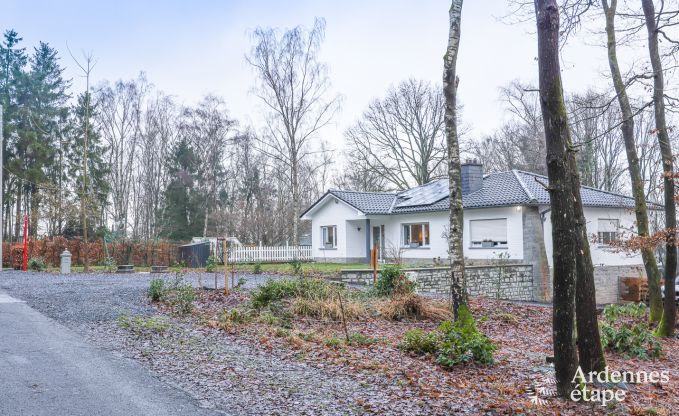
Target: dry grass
(327, 309)
(412, 306)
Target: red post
(25, 242)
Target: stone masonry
(511, 281)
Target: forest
(126, 160)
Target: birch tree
(450, 82)
(294, 87)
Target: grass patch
(143, 325)
(412, 306)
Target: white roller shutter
(488, 230)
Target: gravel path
(220, 370)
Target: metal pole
(2, 225)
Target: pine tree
(183, 207)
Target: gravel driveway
(220, 370)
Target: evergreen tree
(183, 210)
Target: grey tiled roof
(367, 202)
(510, 188)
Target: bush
(183, 299)
(37, 264)
(392, 281)
(210, 264)
(296, 266)
(273, 290)
(420, 342)
(257, 269)
(452, 343)
(156, 290)
(624, 330)
(230, 317)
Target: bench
(158, 269)
(125, 268)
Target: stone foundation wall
(513, 282)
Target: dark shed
(194, 254)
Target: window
(329, 236)
(608, 230)
(488, 233)
(415, 235)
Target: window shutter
(492, 230)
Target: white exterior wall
(331, 213)
(438, 227)
(601, 255)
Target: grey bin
(65, 262)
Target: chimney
(472, 176)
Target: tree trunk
(590, 351)
(666, 327)
(627, 128)
(559, 170)
(450, 81)
(294, 174)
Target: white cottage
(506, 216)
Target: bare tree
(519, 143)
(564, 237)
(119, 121)
(667, 322)
(208, 128)
(86, 68)
(401, 137)
(295, 89)
(628, 133)
(450, 82)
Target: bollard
(66, 262)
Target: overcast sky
(190, 48)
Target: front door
(378, 240)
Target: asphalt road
(48, 369)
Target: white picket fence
(265, 254)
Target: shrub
(183, 299)
(333, 342)
(392, 281)
(452, 343)
(296, 266)
(624, 329)
(156, 290)
(230, 317)
(356, 338)
(273, 290)
(109, 264)
(420, 342)
(258, 268)
(210, 264)
(37, 264)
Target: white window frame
(604, 237)
(491, 244)
(406, 237)
(324, 236)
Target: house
(506, 218)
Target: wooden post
(25, 241)
(344, 320)
(225, 249)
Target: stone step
(158, 269)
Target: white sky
(189, 49)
